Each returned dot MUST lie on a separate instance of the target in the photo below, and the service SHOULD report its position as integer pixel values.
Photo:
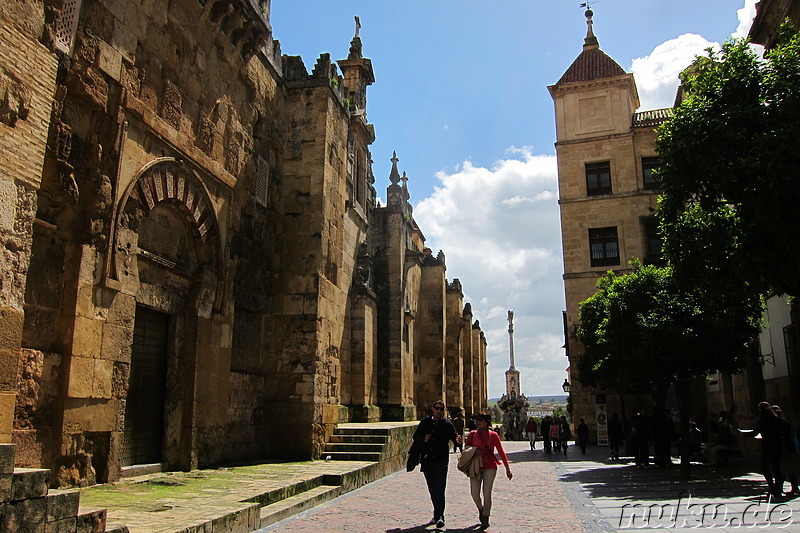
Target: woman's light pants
(486, 482)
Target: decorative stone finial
(591, 40)
(404, 179)
(394, 176)
(356, 48)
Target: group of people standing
(555, 432)
(432, 446)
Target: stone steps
(292, 505)
(242, 499)
(353, 447)
(354, 443)
(366, 439)
(28, 505)
(367, 443)
(372, 457)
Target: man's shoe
(440, 523)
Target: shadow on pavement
(623, 481)
(427, 529)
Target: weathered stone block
(122, 310)
(92, 522)
(7, 454)
(102, 384)
(62, 504)
(11, 322)
(81, 377)
(7, 400)
(29, 483)
(5, 487)
(24, 516)
(88, 264)
(87, 339)
(67, 525)
(91, 415)
(84, 303)
(117, 341)
(110, 61)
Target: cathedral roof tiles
(651, 118)
(591, 64)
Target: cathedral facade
(195, 269)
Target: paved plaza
(553, 494)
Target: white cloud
(746, 15)
(657, 73)
(499, 228)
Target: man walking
(433, 436)
(546, 423)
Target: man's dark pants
(436, 477)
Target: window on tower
(653, 241)
(598, 178)
(603, 246)
(649, 180)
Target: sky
(461, 95)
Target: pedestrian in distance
(789, 458)
(433, 436)
(548, 445)
(488, 442)
(641, 437)
(582, 431)
(458, 423)
(614, 436)
(564, 433)
(530, 429)
(768, 426)
(555, 435)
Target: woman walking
(487, 441)
(555, 435)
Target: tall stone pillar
(453, 346)
(429, 375)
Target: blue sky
(461, 95)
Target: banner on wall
(602, 419)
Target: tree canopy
(730, 168)
(642, 329)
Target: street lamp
(567, 386)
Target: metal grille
(144, 410)
(66, 24)
(262, 180)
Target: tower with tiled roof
(607, 196)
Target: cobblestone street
(551, 494)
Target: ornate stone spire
(394, 176)
(591, 40)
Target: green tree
(644, 331)
(730, 169)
